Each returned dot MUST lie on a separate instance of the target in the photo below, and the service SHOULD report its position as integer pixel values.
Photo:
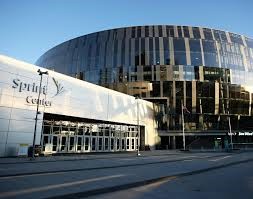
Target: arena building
(205, 72)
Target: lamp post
(182, 109)
(230, 131)
(138, 126)
(37, 110)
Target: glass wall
(210, 71)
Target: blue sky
(29, 27)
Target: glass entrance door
(128, 144)
(55, 143)
(86, 144)
(93, 143)
(79, 144)
(100, 143)
(106, 142)
(71, 144)
(63, 143)
(45, 140)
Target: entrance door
(71, 144)
(100, 144)
(79, 143)
(55, 143)
(63, 143)
(86, 144)
(112, 144)
(133, 144)
(123, 144)
(106, 142)
(93, 143)
(45, 140)
(117, 140)
(128, 144)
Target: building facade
(208, 72)
(74, 116)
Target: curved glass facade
(209, 71)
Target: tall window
(179, 51)
(196, 58)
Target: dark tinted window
(171, 29)
(133, 32)
(167, 88)
(236, 38)
(179, 30)
(160, 31)
(208, 33)
(195, 45)
(157, 51)
(209, 46)
(196, 32)
(166, 51)
(151, 60)
(179, 44)
(146, 31)
(249, 42)
(210, 55)
(156, 89)
(223, 35)
(196, 57)
(179, 51)
(186, 31)
(138, 31)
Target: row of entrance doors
(81, 143)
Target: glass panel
(179, 51)
(123, 144)
(186, 31)
(100, 144)
(196, 32)
(112, 143)
(87, 142)
(71, 143)
(208, 33)
(106, 144)
(196, 57)
(63, 143)
(93, 144)
(79, 143)
(132, 143)
(55, 139)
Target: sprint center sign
(32, 90)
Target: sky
(29, 28)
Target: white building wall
(77, 98)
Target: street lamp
(230, 131)
(138, 126)
(182, 109)
(37, 110)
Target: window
(156, 89)
(186, 31)
(179, 51)
(208, 34)
(146, 31)
(179, 30)
(236, 38)
(166, 51)
(160, 31)
(196, 32)
(249, 42)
